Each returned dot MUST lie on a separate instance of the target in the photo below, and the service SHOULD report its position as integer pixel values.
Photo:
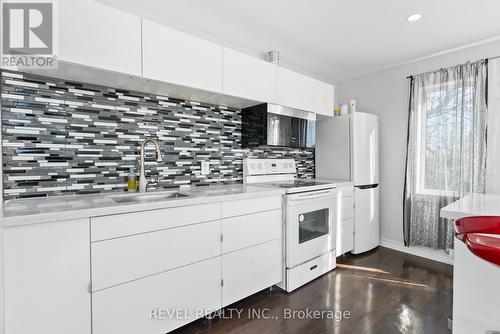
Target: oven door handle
(306, 197)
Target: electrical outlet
(205, 167)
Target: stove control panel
(268, 166)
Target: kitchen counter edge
(103, 204)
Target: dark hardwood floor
(384, 291)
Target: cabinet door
(323, 98)
(294, 90)
(345, 236)
(248, 77)
(250, 270)
(346, 209)
(179, 58)
(181, 295)
(100, 36)
(47, 277)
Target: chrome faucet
(143, 184)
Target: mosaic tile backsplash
(62, 137)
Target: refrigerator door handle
(367, 186)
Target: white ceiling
(330, 39)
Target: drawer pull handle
(313, 267)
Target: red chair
(470, 230)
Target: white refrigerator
(347, 148)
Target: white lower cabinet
(345, 221)
(244, 231)
(345, 236)
(115, 226)
(195, 267)
(246, 207)
(250, 270)
(146, 272)
(159, 303)
(121, 260)
(46, 278)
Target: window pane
(443, 148)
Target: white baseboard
(418, 251)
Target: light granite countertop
(57, 208)
(473, 205)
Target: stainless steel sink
(144, 198)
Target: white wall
(386, 94)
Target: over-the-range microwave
(270, 124)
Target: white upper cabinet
(179, 58)
(248, 77)
(97, 35)
(294, 90)
(118, 41)
(323, 98)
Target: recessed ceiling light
(414, 17)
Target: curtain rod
(409, 77)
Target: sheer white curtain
(446, 155)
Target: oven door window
(313, 225)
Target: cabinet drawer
(244, 231)
(345, 237)
(121, 260)
(301, 274)
(146, 221)
(347, 209)
(248, 206)
(250, 270)
(127, 309)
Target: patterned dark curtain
(446, 156)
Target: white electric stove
(309, 211)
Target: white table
(476, 292)
(473, 205)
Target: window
(446, 155)
(444, 130)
